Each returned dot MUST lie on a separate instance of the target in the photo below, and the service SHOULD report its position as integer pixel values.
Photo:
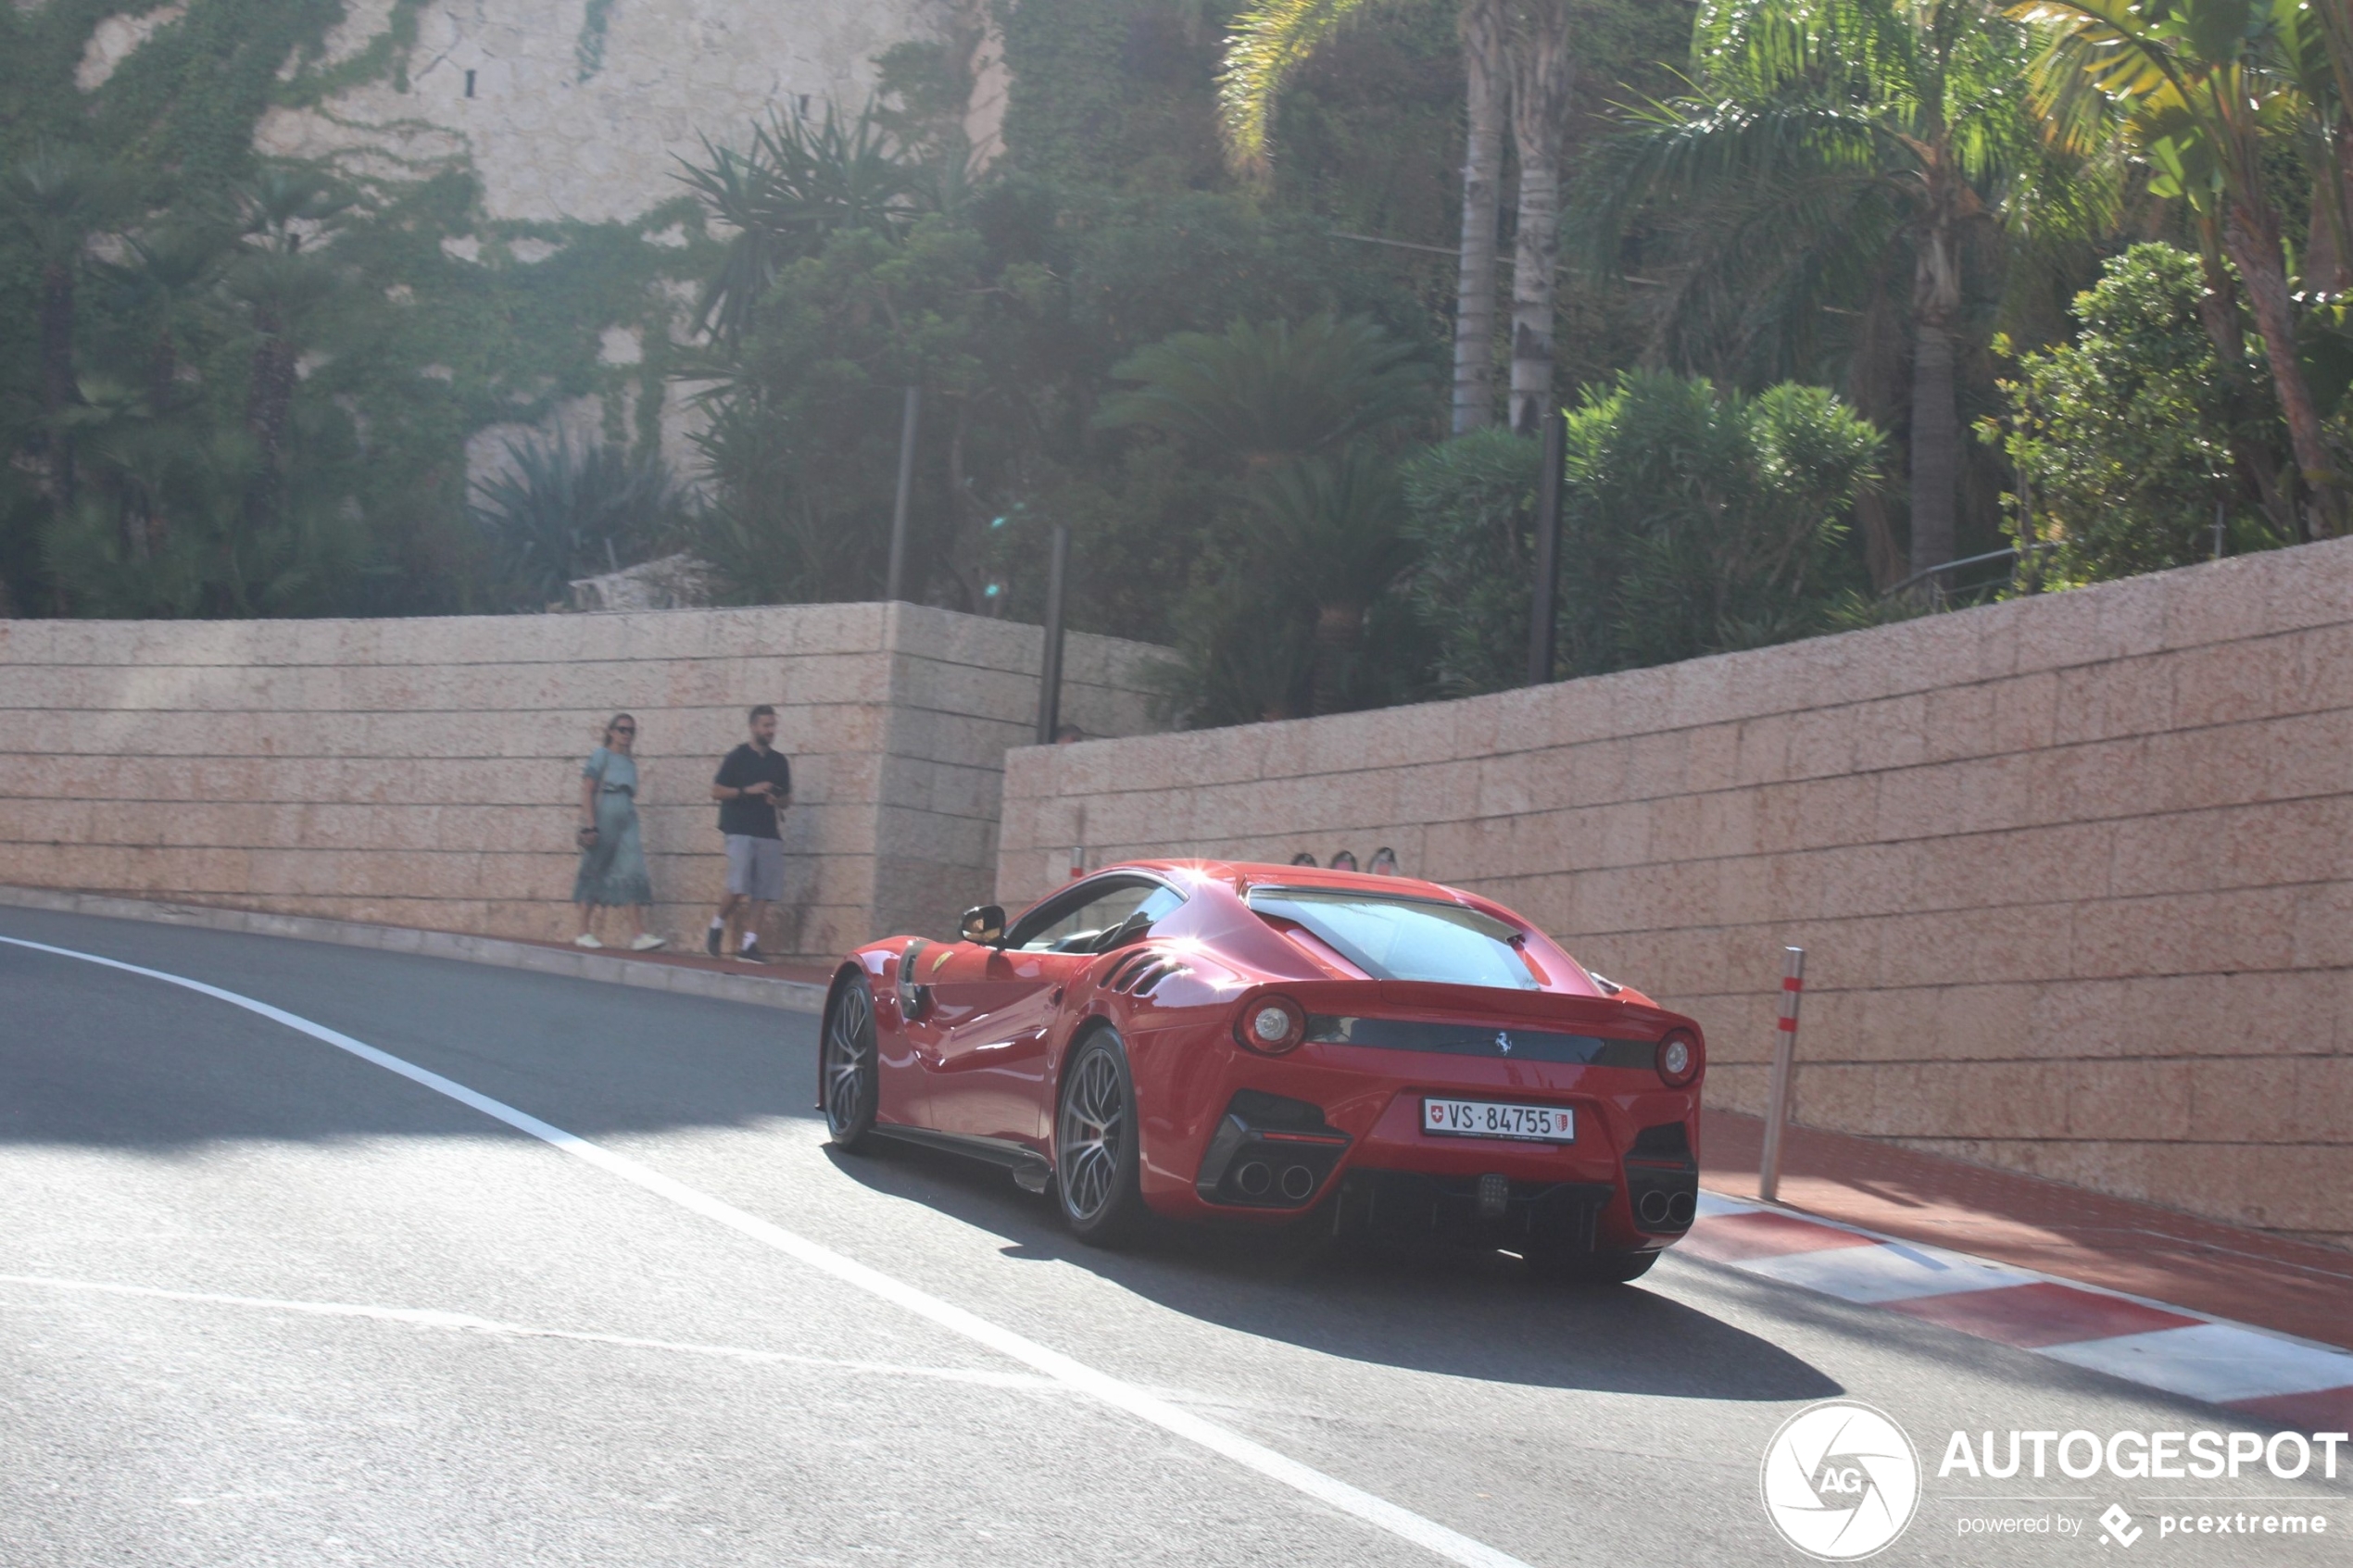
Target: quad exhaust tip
(1658, 1207)
(1256, 1179)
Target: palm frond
(1266, 388)
(1268, 41)
(793, 187)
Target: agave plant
(558, 513)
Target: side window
(1077, 923)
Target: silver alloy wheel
(1090, 1136)
(849, 1057)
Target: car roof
(1240, 874)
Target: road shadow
(1461, 1314)
(94, 1057)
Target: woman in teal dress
(612, 860)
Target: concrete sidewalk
(2050, 1228)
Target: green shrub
(1698, 520)
(2125, 439)
(1694, 520)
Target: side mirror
(984, 923)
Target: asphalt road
(262, 1301)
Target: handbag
(586, 834)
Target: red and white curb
(2293, 1382)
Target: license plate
(1492, 1119)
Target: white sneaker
(586, 940)
(645, 943)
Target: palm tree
(795, 187)
(56, 199)
(163, 271)
(1335, 530)
(283, 287)
(1263, 391)
(1270, 39)
(1852, 147)
(2209, 88)
(1541, 67)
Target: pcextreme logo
(1840, 1481)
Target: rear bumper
(1484, 1211)
(1339, 1130)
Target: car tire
(849, 1065)
(1563, 1266)
(1095, 1152)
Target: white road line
(1379, 1513)
(425, 1317)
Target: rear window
(1405, 938)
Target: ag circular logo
(1840, 1480)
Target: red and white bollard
(1769, 1169)
(1077, 862)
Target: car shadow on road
(1461, 1315)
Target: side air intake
(1140, 971)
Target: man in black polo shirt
(753, 786)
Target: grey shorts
(756, 867)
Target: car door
(996, 1014)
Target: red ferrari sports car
(1270, 1044)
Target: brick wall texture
(2074, 873)
(426, 773)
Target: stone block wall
(2074, 873)
(426, 771)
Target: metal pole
(1050, 667)
(1769, 1169)
(1542, 615)
(894, 586)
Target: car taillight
(1270, 1025)
(1680, 1058)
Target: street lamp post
(1542, 616)
(895, 585)
(1050, 666)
